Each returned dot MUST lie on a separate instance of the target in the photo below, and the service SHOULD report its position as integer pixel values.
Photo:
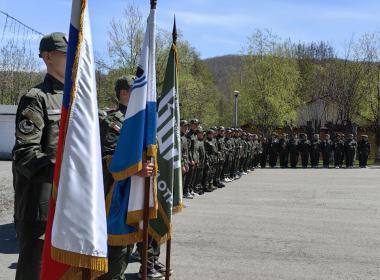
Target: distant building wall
(7, 130)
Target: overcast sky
(214, 27)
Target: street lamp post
(236, 94)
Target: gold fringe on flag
(80, 260)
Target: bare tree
(367, 50)
(125, 38)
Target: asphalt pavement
(271, 224)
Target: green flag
(169, 178)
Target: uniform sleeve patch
(26, 126)
(111, 137)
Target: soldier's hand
(147, 170)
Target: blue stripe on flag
(119, 208)
(137, 80)
(129, 148)
(151, 119)
(139, 85)
(71, 49)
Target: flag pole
(144, 264)
(169, 241)
(86, 274)
(145, 229)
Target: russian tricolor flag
(76, 234)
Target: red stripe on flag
(52, 270)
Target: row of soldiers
(214, 157)
(337, 152)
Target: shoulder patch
(26, 126)
(111, 137)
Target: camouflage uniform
(364, 150)
(210, 163)
(304, 148)
(264, 152)
(315, 150)
(201, 164)
(37, 126)
(293, 150)
(338, 152)
(349, 150)
(273, 149)
(110, 126)
(221, 145)
(192, 143)
(283, 151)
(228, 155)
(327, 147)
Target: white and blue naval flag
(136, 144)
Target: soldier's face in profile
(125, 94)
(184, 129)
(56, 63)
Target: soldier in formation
(364, 150)
(226, 154)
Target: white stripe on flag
(80, 221)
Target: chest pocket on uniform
(54, 117)
(51, 131)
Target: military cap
(221, 128)
(196, 121)
(364, 135)
(350, 135)
(183, 122)
(56, 41)
(210, 130)
(199, 129)
(124, 82)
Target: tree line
(277, 78)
